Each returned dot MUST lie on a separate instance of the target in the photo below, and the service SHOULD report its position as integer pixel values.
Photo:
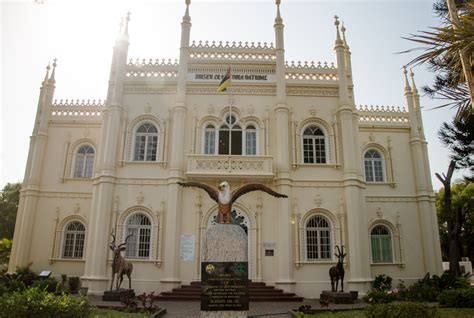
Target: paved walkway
(185, 309)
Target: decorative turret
(411, 107)
(184, 56)
(340, 49)
(280, 57)
(416, 102)
(347, 60)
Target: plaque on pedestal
(337, 297)
(117, 295)
(224, 286)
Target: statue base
(337, 297)
(117, 295)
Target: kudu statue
(337, 272)
(119, 265)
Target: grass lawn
(443, 313)
(109, 313)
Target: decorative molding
(390, 199)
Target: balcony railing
(229, 166)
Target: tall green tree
(462, 199)
(9, 198)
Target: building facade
(354, 176)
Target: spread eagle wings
(250, 187)
(210, 190)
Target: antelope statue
(337, 272)
(119, 265)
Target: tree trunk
(453, 220)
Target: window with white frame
(250, 140)
(230, 138)
(74, 237)
(373, 166)
(84, 162)
(314, 145)
(210, 140)
(381, 244)
(318, 238)
(146, 143)
(139, 244)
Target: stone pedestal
(117, 295)
(337, 297)
(224, 243)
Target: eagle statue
(225, 198)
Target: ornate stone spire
(407, 84)
(343, 30)
(127, 19)
(46, 77)
(338, 34)
(53, 73)
(187, 17)
(278, 19)
(413, 86)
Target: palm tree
(449, 51)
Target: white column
(357, 249)
(100, 225)
(177, 157)
(31, 183)
(284, 244)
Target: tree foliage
(458, 137)
(9, 198)
(441, 48)
(462, 197)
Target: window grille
(84, 162)
(74, 237)
(146, 143)
(318, 238)
(373, 166)
(210, 140)
(381, 242)
(139, 244)
(314, 145)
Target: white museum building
(354, 176)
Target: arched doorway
(241, 218)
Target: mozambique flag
(225, 82)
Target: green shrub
(34, 302)
(49, 284)
(401, 310)
(380, 297)
(460, 298)
(73, 284)
(382, 282)
(26, 275)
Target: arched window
(84, 162)
(373, 166)
(139, 244)
(250, 140)
(314, 145)
(146, 143)
(74, 236)
(210, 140)
(318, 238)
(230, 138)
(381, 244)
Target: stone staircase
(257, 292)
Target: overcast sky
(81, 35)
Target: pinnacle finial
(336, 23)
(278, 17)
(412, 75)
(127, 19)
(407, 85)
(343, 30)
(48, 67)
(55, 60)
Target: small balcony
(208, 166)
